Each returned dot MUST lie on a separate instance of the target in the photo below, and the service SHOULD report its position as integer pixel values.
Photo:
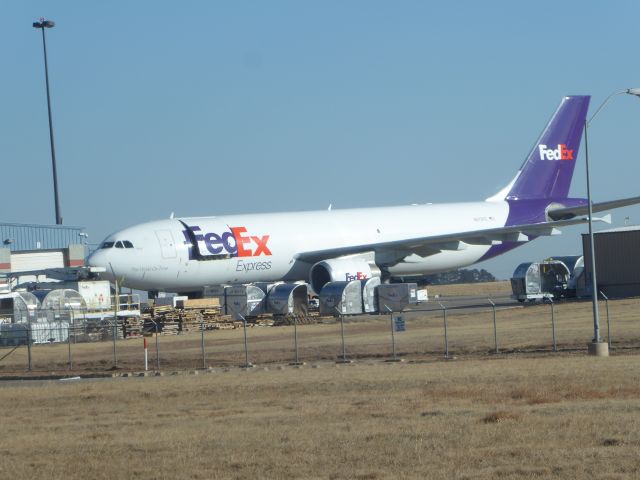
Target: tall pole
(596, 346)
(42, 25)
(115, 325)
(592, 252)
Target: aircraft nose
(99, 259)
(96, 259)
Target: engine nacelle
(340, 269)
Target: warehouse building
(28, 248)
(617, 262)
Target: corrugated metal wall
(18, 237)
(617, 262)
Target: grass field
(485, 289)
(526, 412)
(564, 417)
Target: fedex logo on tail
(236, 242)
(560, 153)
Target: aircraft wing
(394, 251)
(570, 212)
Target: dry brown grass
(562, 417)
(482, 416)
(488, 289)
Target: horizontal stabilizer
(571, 212)
(605, 219)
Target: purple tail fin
(549, 167)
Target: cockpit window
(118, 244)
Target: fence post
(247, 364)
(495, 328)
(157, 347)
(344, 348)
(115, 356)
(553, 323)
(204, 360)
(606, 302)
(29, 344)
(295, 341)
(115, 323)
(446, 337)
(146, 354)
(394, 357)
(69, 328)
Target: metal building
(25, 248)
(617, 262)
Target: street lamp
(42, 24)
(597, 346)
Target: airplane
(185, 255)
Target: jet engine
(341, 269)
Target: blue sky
(205, 107)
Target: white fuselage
(158, 253)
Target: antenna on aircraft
(329, 209)
(171, 216)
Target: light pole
(596, 345)
(42, 24)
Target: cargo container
(215, 291)
(96, 293)
(244, 300)
(369, 301)
(395, 297)
(18, 307)
(341, 298)
(533, 281)
(288, 299)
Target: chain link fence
(75, 341)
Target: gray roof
(629, 228)
(19, 236)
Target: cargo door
(167, 244)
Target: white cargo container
(96, 294)
(423, 295)
(369, 301)
(49, 332)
